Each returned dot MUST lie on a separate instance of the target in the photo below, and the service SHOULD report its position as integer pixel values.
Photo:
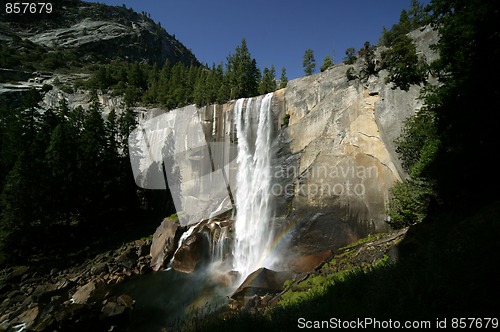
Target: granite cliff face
(339, 144)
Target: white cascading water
(183, 238)
(253, 232)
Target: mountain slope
(78, 33)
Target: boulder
(91, 292)
(143, 247)
(192, 253)
(111, 309)
(128, 259)
(262, 281)
(165, 240)
(125, 300)
(28, 317)
(99, 268)
(16, 273)
(44, 292)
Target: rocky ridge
(95, 32)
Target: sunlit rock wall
(337, 157)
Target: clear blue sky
(277, 32)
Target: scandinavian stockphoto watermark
(170, 151)
(322, 180)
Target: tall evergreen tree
(20, 197)
(92, 142)
(308, 62)
(61, 160)
(404, 65)
(367, 54)
(350, 56)
(283, 78)
(268, 82)
(327, 63)
(242, 72)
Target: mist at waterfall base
(168, 297)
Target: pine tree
(92, 144)
(17, 209)
(367, 53)
(127, 122)
(20, 199)
(308, 62)
(268, 82)
(61, 160)
(417, 15)
(350, 56)
(242, 72)
(283, 78)
(224, 79)
(200, 90)
(405, 67)
(327, 63)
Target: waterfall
(218, 244)
(253, 232)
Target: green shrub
(350, 56)
(418, 138)
(405, 67)
(409, 202)
(286, 120)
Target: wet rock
(266, 299)
(165, 240)
(19, 298)
(16, 274)
(193, 252)
(111, 309)
(261, 282)
(252, 304)
(69, 311)
(43, 293)
(125, 300)
(91, 292)
(28, 301)
(127, 259)
(99, 268)
(143, 247)
(28, 317)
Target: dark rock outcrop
(91, 292)
(192, 253)
(165, 241)
(261, 282)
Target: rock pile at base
(74, 299)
